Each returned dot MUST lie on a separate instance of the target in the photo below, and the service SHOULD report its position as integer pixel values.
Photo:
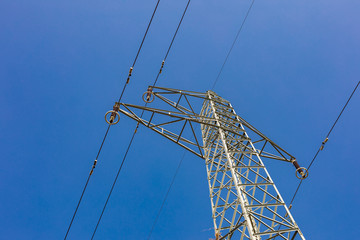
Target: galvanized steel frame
(245, 201)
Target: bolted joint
(217, 235)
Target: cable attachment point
(93, 166)
(148, 96)
(323, 144)
(114, 117)
(301, 172)
(129, 75)
(137, 126)
(162, 66)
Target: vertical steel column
(245, 202)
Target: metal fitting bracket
(113, 115)
(301, 173)
(148, 96)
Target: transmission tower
(245, 202)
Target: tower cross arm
(264, 141)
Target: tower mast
(245, 202)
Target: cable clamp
(162, 66)
(148, 96)
(114, 117)
(323, 144)
(129, 75)
(137, 126)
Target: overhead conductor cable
(182, 158)
(233, 44)
(112, 118)
(137, 126)
(324, 142)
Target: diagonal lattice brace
(181, 105)
(245, 202)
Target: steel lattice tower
(245, 202)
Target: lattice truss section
(245, 202)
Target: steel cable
(318, 151)
(113, 185)
(135, 131)
(233, 44)
(138, 52)
(87, 181)
(107, 131)
(166, 195)
(182, 158)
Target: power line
(177, 29)
(326, 139)
(233, 44)
(113, 185)
(166, 196)
(182, 158)
(107, 131)
(138, 52)
(87, 181)
(171, 43)
(135, 131)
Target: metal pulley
(148, 96)
(301, 172)
(114, 115)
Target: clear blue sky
(63, 64)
